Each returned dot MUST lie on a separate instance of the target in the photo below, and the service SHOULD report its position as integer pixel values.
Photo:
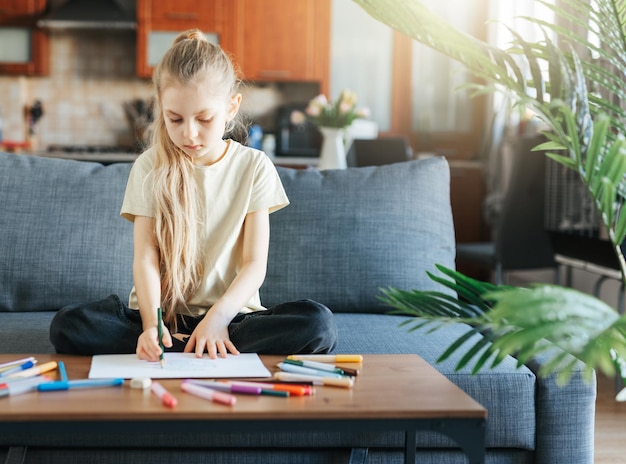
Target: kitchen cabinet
(270, 40)
(158, 23)
(24, 47)
(182, 13)
(283, 40)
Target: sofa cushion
(348, 233)
(26, 332)
(67, 240)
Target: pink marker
(166, 397)
(209, 394)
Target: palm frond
(577, 323)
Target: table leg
(409, 447)
(358, 456)
(469, 435)
(16, 455)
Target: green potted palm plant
(581, 100)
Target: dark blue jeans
(108, 326)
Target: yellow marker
(329, 358)
(33, 371)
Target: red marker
(166, 397)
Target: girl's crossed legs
(108, 326)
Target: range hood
(88, 14)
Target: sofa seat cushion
(500, 390)
(26, 332)
(347, 233)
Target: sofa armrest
(565, 417)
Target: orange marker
(295, 390)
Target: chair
(520, 240)
(376, 152)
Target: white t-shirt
(243, 181)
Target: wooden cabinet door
(18, 23)
(154, 16)
(283, 39)
(184, 14)
(22, 10)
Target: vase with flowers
(332, 118)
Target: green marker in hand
(160, 332)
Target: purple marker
(226, 387)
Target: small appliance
(296, 139)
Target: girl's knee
(61, 329)
(323, 327)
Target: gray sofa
(346, 234)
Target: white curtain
(507, 125)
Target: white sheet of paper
(177, 366)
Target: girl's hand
(211, 334)
(148, 348)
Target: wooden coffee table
(392, 393)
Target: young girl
(200, 207)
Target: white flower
(297, 117)
(339, 113)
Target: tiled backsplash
(92, 73)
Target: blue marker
(82, 383)
(21, 367)
(63, 372)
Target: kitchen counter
(103, 158)
(126, 157)
(298, 162)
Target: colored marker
(24, 386)
(323, 367)
(33, 371)
(328, 358)
(226, 387)
(11, 364)
(295, 390)
(208, 393)
(166, 397)
(21, 367)
(346, 382)
(160, 332)
(61, 385)
(63, 372)
(307, 370)
(271, 392)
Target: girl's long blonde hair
(178, 212)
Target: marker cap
(168, 400)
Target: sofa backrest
(63, 240)
(349, 233)
(345, 235)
